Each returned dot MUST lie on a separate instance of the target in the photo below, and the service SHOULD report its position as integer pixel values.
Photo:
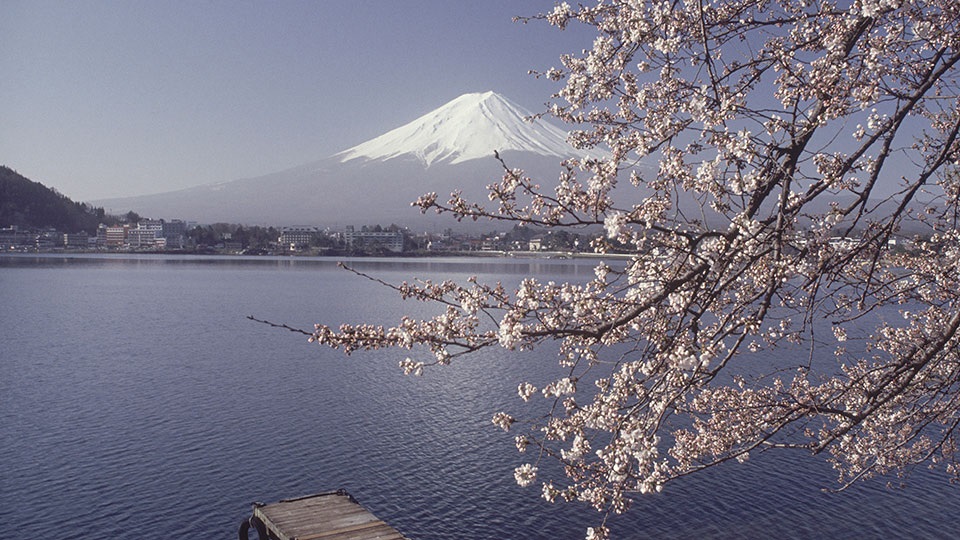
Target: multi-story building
(175, 232)
(149, 234)
(48, 239)
(151, 224)
(141, 238)
(115, 236)
(76, 240)
(14, 238)
(373, 240)
(296, 238)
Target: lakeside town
(138, 235)
(180, 236)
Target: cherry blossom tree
(782, 172)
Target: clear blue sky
(113, 98)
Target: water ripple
(137, 402)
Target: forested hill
(26, 203)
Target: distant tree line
(550, 240)
(247, 236)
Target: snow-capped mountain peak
(471, 126)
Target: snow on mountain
(471, 126)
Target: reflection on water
(137, 401)
(428, 265)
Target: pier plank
(326, 516)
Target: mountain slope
(26, 203)
(375, 182)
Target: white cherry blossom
(778, 172)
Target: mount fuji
(450, 148)
(470, 127)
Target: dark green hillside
(26, 203)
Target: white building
(296, 238)
(387, 240)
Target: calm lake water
(136, 401)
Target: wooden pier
(325, 516)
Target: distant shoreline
(552, 255)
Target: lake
(137, 401)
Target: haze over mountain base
(330, 193)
